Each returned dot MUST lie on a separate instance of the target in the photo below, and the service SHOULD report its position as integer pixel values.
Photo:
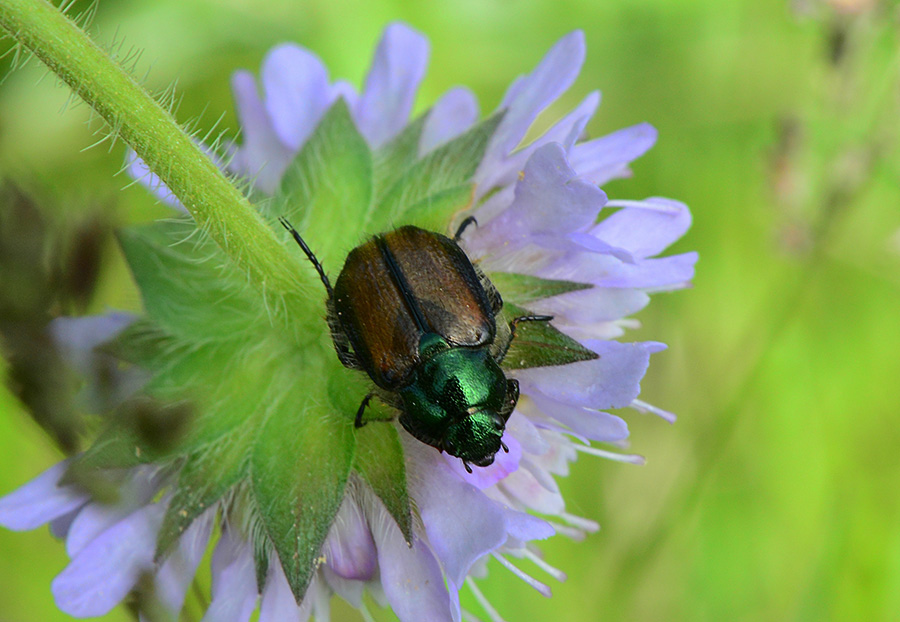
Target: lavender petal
(177, 572)
(524, 100)
(233, 581)
(612, 381)
(261, 157)
(106, 570)
(454, 113)
(349, 549)
(461, 522)
(644, 228)
(297, 93)
(40, 501)
(397, 69)
(549, 200)
(603, 159)
(411, 577)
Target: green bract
(269, 408)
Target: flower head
(309, 506)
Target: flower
(543, 236)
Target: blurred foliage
(774, 496)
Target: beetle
(411, 310)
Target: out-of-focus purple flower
(539, 212)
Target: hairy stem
(216, 205)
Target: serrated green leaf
(300, 464)
(394, 158)
(381, 464)
(539, 344)
(521, 289)
(188, 285)
(205, 477)
(330, 181)
(449, 166)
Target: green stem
(217, 206)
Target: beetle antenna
(470, 220)
(309, 254)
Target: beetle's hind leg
(358, 422)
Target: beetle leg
(466, 464)
(358, 422)
(469, 220)
(528, 318)
(504, 447)
(362, 408)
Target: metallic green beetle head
(459, 401)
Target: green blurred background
(775, 496)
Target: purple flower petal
(96, 518)
(523, 487)
(40, 501)
(524, 100)
(233, 581)
(565, 132)
(612, 381)
(526, 434)
(107, 569)
(411, 577)
(608, 157)
(278, 603)
(397, 69)
(644, 228)
(461, 522)
(177, 572)
(261, 157)
(526, 527)
(454, 113)
(297, 92)
(590, 306)
(59, 527)
(591, 424)
(549, 199)
(348, 589)
(349, 549)
(656, 274)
